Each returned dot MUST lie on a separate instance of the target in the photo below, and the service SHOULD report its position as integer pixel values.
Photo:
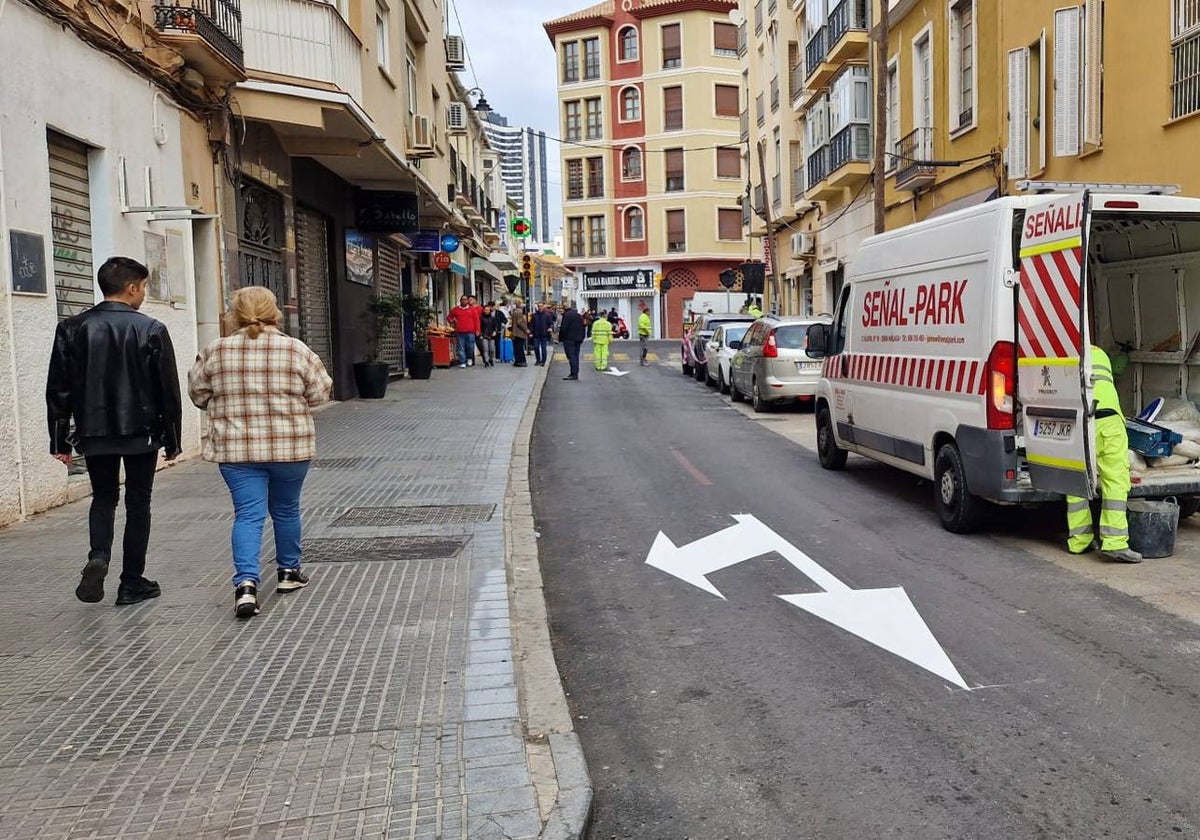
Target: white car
(722, 347)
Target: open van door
(1054, 346)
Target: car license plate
(808, 367)
(1053, 429)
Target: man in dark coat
(571, 333)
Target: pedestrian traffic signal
(527, 268)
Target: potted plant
(371, 375)
(420, 357)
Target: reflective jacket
(645, 327)
(602, 331)
(1105, 392)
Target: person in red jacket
(465, 320)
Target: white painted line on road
(884, 617)
(612, 371)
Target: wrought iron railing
(814, 52)
(847, 15)
(219, 22)
(818, 166)
(850, 145)
(914, 156)
(745, 125)
(798, 185)
(795, 82)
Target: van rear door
(1054, 346)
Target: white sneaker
(463, 366)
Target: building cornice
(657, 8)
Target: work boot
(1123, 555)
(91, 588)
(135, 593)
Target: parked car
(726, 341)
(695, 344)
(771, 365)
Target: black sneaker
(245, 600)
(290, 580)
(91, 588)
(135, 593)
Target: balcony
(743, 40)
(760, 114)
(305, 40)
(850, 156)
(798, 184)
(819, 188)
(776, 191)
(817, 69)
(849, 35)
(774, 94)
(745, 121)
(914, 156)
(209, 35)
(795, 84)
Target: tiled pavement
(379, 702)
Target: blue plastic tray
(1151, 440)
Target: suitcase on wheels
(506, 350)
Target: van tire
(959, 511)
(734, 394)
(756, 399)
(831, 456)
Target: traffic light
(527, 269)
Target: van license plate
(1053, 429)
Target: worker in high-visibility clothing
(602, 333)
(645, 327)
(1112, 462)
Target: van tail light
(770, 348)
(999, 376)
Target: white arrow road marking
(612, 371)
(884, 617)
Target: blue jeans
(540, 345)
(466, 348)
(256, 489)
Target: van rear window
(791, 337)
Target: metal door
(70, 225)
(312, 274)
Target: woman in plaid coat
(258, 387)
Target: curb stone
(555, 755)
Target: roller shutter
(312, 273)
(70, 224)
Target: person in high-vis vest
(1112, 462)
(602, 332)
(644, 327)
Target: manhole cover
(415, 515)
(383, 549)
(342, 463)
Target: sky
(513, 62)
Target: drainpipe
(12, 333)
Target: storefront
(625, 290)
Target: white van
(961, 352)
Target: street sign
(728, 278)
(441, 260)
(449, 243)
(521, 227)
(884, 617)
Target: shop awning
(963, 202)
(617, 293)
(483, 266)
(502, 261)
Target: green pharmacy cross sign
(521, 228)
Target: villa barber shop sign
(638, 280)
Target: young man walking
(112, 372)
(644, 327)
(571, 333)
(542, 325)
(465, 320)
(489, 329)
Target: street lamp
(481, 107)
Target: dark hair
(118, 272)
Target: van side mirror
(736, 344)
(818, 341)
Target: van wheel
(959, 511)
(734, 394)
(1189, 506)
(722, 385)
(756, 399)
(832, 456)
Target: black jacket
(542, 324)
(490, 325)
(571, 328)
(112, 369)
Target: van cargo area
(1145, 282)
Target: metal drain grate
(343, 463)
(415, 515)
(382, 549)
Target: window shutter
(1066, 82)
(725, 36)
(728, 101)
(1093, 71)
(1018, 113)
(729, 162)
(729, 224)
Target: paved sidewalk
(380, 702)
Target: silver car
(771, 365)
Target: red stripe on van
(1066, 318)
(962, 375)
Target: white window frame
(641, 165)
(1017, 147)
(621, 118)
(921, 120)
(893, 115)
(383, 36)
(578, 103)
(410, 61)
(842, 98)
(637, 44)
(954, 107)
(717, 224)
(1181, 26)
(1068, 80)
(816, 16)
(625, 214)
(1185, 36)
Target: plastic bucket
(1152, 526)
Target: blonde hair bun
(253, 308)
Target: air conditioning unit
(420, 137)
(456, 53)
(803, 245)
(456, 118)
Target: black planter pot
(371, 379)
(420, 364)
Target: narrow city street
(747, 716)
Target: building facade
(653, 172)
(525, 169)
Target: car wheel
(734, 393)
(722, 385)
(831, 456)
(756, 399)
(959, 511)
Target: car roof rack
(1027, 185)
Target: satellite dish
(736, 17)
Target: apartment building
(652, 167)
(525, 169)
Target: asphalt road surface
(751, 718)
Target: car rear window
(791, 337)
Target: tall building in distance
(650, 93)
(524, 169)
